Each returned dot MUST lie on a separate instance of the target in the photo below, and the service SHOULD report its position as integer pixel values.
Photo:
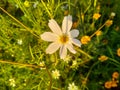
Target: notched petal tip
(74, 33)
(53, 25)
(67, 24)
(76, 42)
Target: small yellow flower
(55, 74)
(12, 82)
(85, 39)
(74, 64)
(103, 58)
(42, 64)
(68, 58)
(115, 75)
(72, 86)
(118, 52)
(112, 14)
(109, 23)
(19, 41)
(108, 84)
(114, 84)
(98, 33)
(27, 3)
(96, 16)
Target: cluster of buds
(113, 82)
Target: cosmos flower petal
(76, 42)
(74, 33)
(67, 24)
(70, 48)
(54, 27)
(48, 36)
(63, 52)
(53, 47)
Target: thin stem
(91, 69)
(18, 21)
(85, 61)
(88, 7)
(47, 9)
(114, 60)
(20, 64)
(69, 4)
(85, 53)
(98, 30)
(49, 88)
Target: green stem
(69, 4)
(21, 64)
(50, 86)
(98, 30)
(47, 9)
(81, 51)
(18, 21)
(91, 69)
(114, 60)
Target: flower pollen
(64, 39)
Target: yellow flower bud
(114, 84)
(109, 23)
(108, 84)
(96, 16)
(118, 52)
(98, 33)
(27, 3)
(103, 58)
(85, 39)
(115, 75)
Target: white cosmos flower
(61, 38)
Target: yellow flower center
(64, 39)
